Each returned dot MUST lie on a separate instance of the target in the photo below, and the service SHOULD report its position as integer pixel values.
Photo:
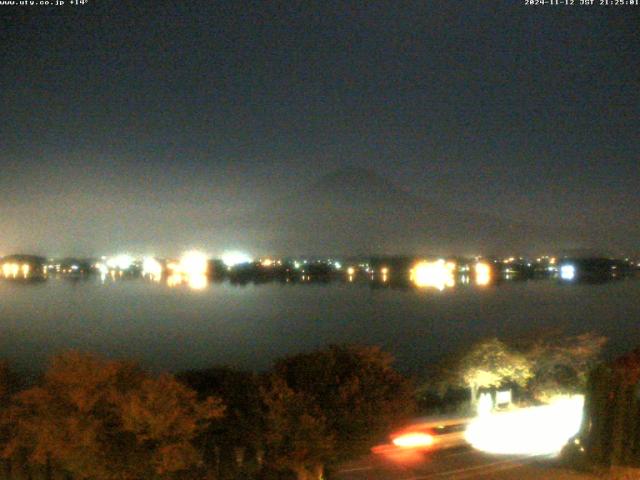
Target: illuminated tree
(99, 419)
(491, 363)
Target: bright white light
(567, 272)
(528, 431)
(151, 268)
(120, 262)
(436, 274)
(235, 258)
(194, 263)
(483, 274)
(338, 265)
(191, 270)
(10, 270)
(197, 282)
(503, 397)
(102, 268)
(174, 280)
(485, 404)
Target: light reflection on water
(249, 326)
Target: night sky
(151, 126)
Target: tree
(9, 383)
(442, 391)
(166, 417)
(105, 420)
(297, 437)
(235, 442)
(357, 390)
(562, 365)
(8, 387)
(491, 363)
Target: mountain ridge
(356, 210)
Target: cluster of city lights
(483, 273)
(434, 273)
(15, 270)
(440, 274)
(192, 270)
(437, 274)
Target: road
(456, 464)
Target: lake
(249, 326)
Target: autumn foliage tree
(166, 417)
(100, 419)
(96, 419)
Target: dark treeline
(92, 418)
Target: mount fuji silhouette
(355, 211)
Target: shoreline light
(152, 268)
(191, 269)
(567, 272)
(483, 274)
(120, 262)
(437, 274)
(194, 263)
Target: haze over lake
(250, 326)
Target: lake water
(249, 326)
